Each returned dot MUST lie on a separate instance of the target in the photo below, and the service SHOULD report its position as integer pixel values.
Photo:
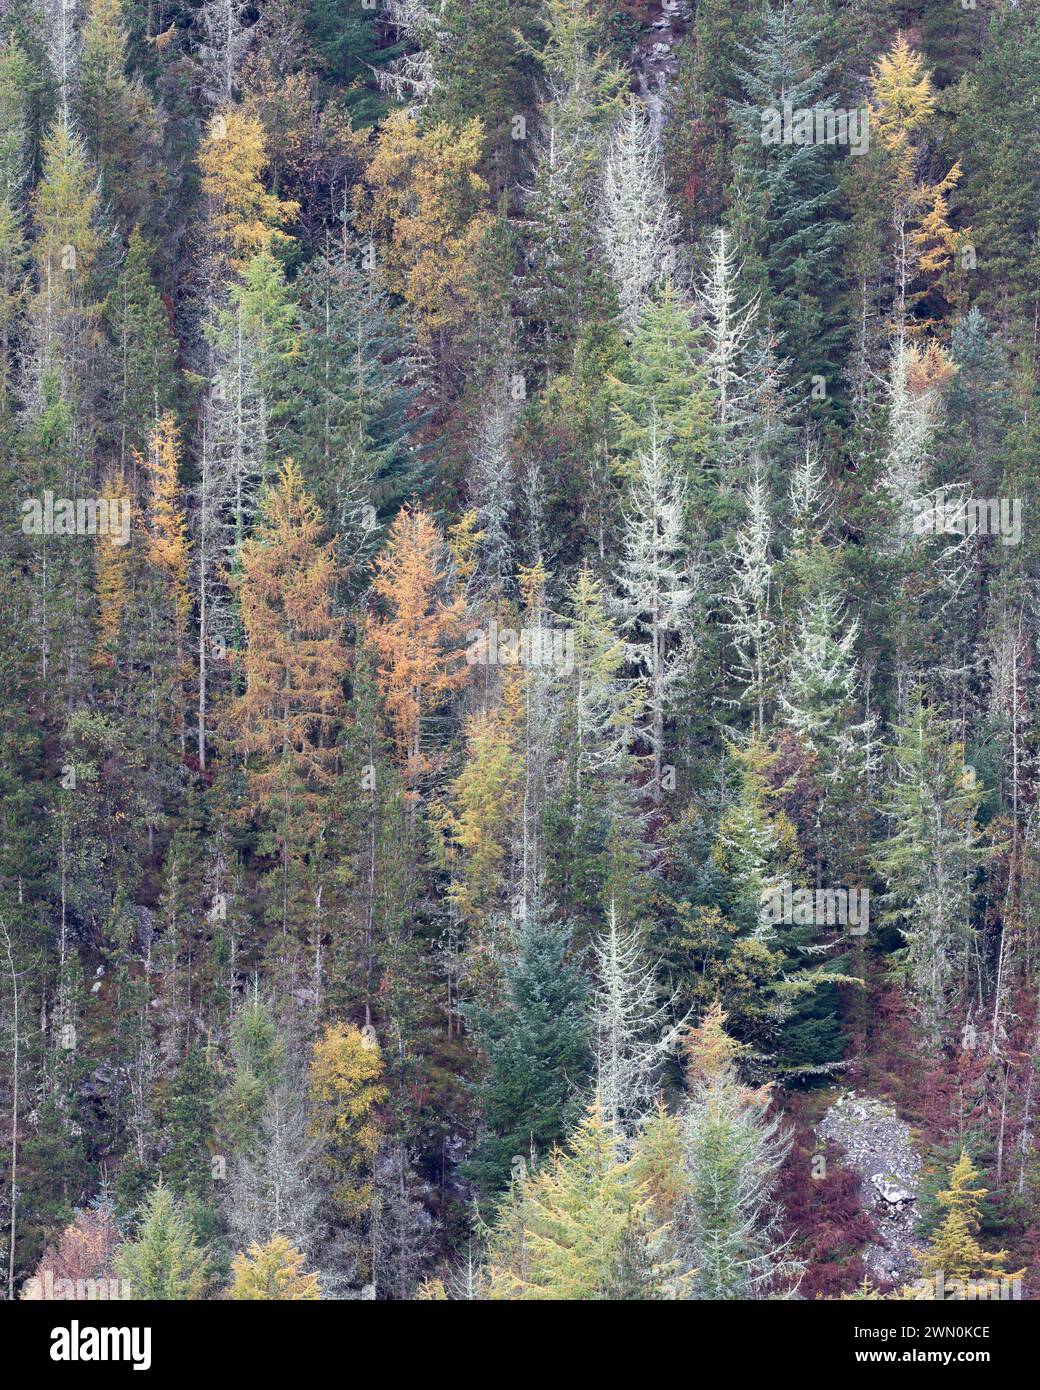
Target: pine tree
(481, 819)
(253, 339)
(258, 1056)
(491, 494)
(903, 107)
(402, 1228)
(14, 253)
(66, 251)
(273, 1180)
(595, 850)
(168, 553)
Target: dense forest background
(517, 516)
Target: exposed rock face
(655, 60)
(877, 1146)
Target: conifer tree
(415, 641)
(427, 213)
(954, 1251)
(664, 384)
(580, 1228)
(272, 1272)
(785, 193)
(223, 36)
(631, 1029)
(144, 349)
(732, 1155)
(637, 228)
(14, 253)
(750, 605)
(243, 218)
(930, 860)
(164, 1261)
(66, 250)
(293, 665)
(728, 324)
(537, 1047)
(116, 118)
(347, 401)
(655, 595)
(346, 1088)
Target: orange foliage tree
(417, 637)
(285, 721)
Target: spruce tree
(538, 1059)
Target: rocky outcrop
(877, 1146)
(655, 60)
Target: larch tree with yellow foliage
(273, 1272)
(285, 721)
(243, 218)
(955, 1253)
(582, 1228)
(426, 208)
(112, 560)
(167, 551)
(417, 636)
(902, 110)
(482, 813)
(346, 1091)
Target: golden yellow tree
(482, 810)
(112, 560)
(582, 1228)
(284, 723)
(417, 637)
(244, 219)
(427, 208)
(903, 104)
(955, 1252)
(346, 1091)
(273, 1272)
(167, 547)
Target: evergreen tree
(164, 1261)
(732, 1154)
(537, 1049)
(637, 228)
(786, 193)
